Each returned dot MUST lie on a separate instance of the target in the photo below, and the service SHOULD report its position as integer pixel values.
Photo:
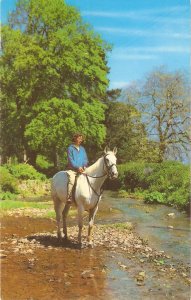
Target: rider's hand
(80, 170)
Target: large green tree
(47, 52)
(55, 121)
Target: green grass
(12, 204)
(51, 214)
(120, 226)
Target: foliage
(132, 176)
(166, 182)
(155, 197)
(7, 181)
(56, 121)
(125, 130)
(7, 196)
(48, 52)
(43, 163)
(25, 171)
(122, 194)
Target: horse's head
(110, 162)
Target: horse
(87, 194)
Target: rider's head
(77, 138)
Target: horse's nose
(114, 174)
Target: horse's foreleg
(64, 214)
(80, 225)
(90, 227)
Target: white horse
(87, 194)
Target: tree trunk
(162, 150)
(32, 155)
(55, 160)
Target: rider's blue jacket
(76, 158)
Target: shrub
(43, 163)
(166, 182)
(25, 171)
(7, 196)
(155, 197)
(7, 181)
(180, 198)
(132, 176)
(123, 194)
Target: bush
(132, 176)
(155, 197)
(7, 181)
(43, 163)
(7, 196)
(166, 182)
(25, 171)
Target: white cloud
(143, 14)
(134, 56)
(143, 50)
(143, 33)
(145, 53)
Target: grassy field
(33, 209)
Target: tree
(125, 130)
(163, 100)
(47, 52)
(55, 122)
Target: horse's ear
(106, 149)
(115, 150)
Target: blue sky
(144, 33)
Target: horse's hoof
(59, 236)
(80, 245)
(90, 245)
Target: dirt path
(121, 265)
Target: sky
(144, 34)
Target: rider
(77, 162)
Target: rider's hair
(76, 135)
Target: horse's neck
(97, 170)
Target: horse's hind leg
(58, 206)
(64, 214)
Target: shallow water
(151, 222)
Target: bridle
(108, 168)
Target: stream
(168, 233)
